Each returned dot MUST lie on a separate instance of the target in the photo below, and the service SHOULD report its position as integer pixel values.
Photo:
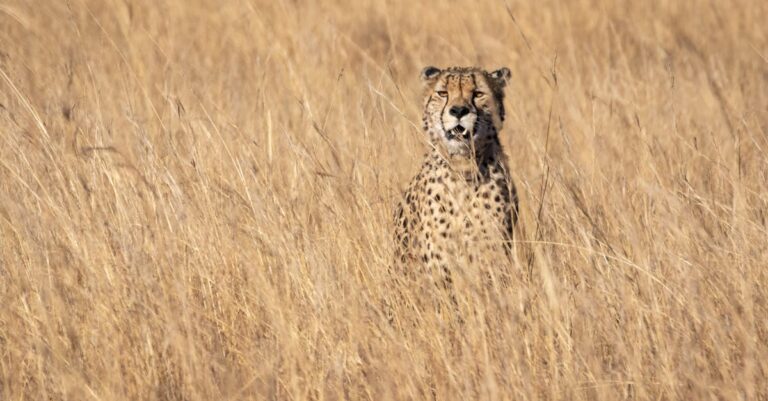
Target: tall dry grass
(195, 201)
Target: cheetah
(463, 203)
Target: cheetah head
(463, 106)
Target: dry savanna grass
(196, 201)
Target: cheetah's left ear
(429, 73)
(501, 76)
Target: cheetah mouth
(457, 132)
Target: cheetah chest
(462, 215)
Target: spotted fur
(462, 204)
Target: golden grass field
(196, 201)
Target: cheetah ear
(501, 76)
(429, 73)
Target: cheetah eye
(442, 93)
(478, 94)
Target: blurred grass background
(195, 200)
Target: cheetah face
(463, 106)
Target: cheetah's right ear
(501, 76)
(429, 73)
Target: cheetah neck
(487, 153)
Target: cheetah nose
(459, 111)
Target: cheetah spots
(454, 209)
